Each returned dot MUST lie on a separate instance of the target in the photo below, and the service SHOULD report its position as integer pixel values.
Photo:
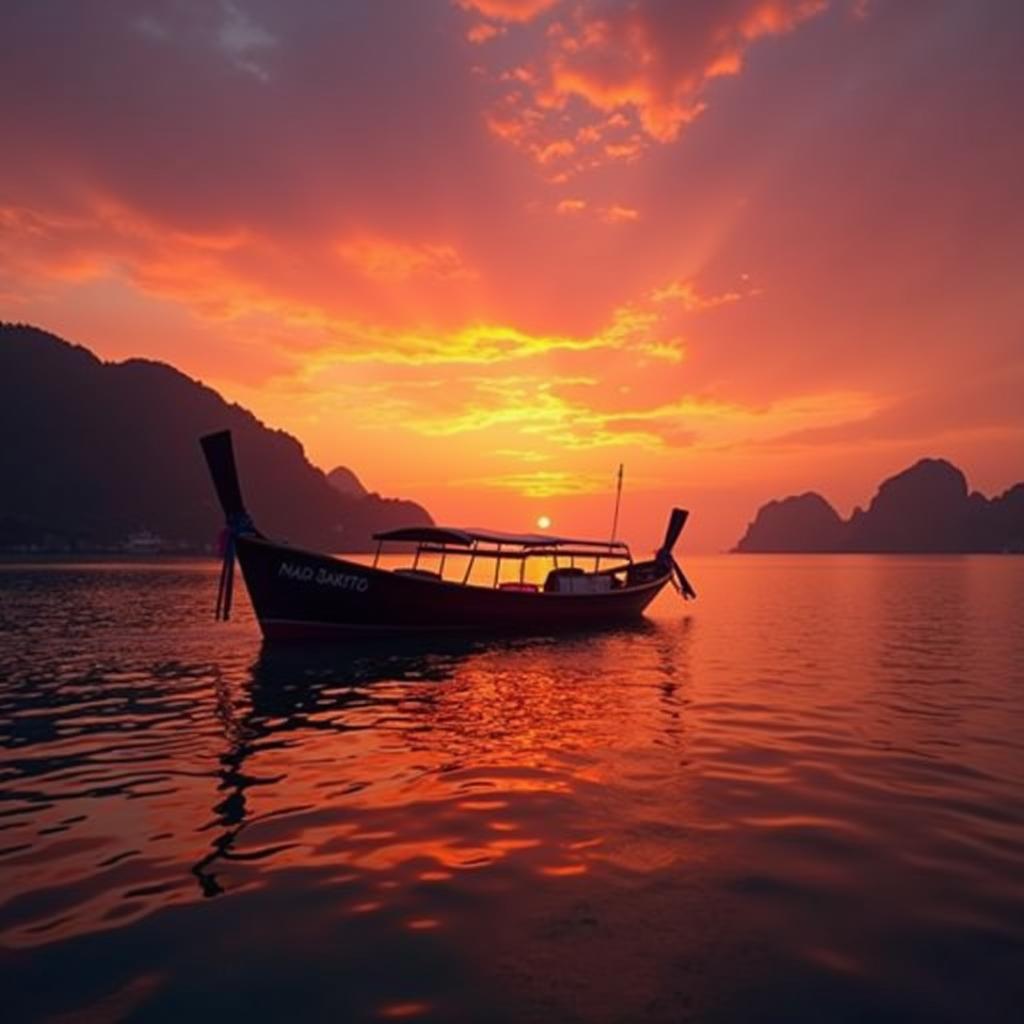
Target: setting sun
(543, 522)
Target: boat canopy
(427, 535)
(468, 536)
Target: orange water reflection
(309, 755)
(376, 752)
(810, 757)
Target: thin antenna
(618, 499)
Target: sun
(543, 522)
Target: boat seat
(551, 584)
(526, 588)
(576, 581)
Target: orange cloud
(517, 413)
(617, 214)
(571, 206)
(109, 240)
(637, 73)
(554, 151)
(624, 150)
(386, 260)
(241, 276)
(508, 10)
(543, 483)
(249, 284)
(483, 31)
(686, 293)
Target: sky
(484, 251)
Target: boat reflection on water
(296, 688)
(349, 711)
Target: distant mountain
(926, 508)
(345, 482)
(97, 455)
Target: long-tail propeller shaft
(676, 522)
(681, 582)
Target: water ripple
(802, 800)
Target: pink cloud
(483, 31)
(627, 76)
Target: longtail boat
(305, 595)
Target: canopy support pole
(469, 564)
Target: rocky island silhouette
(927, 508)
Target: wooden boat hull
(301, 595)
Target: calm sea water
(800, 798)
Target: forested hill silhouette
(97, 455)
(926, 508)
